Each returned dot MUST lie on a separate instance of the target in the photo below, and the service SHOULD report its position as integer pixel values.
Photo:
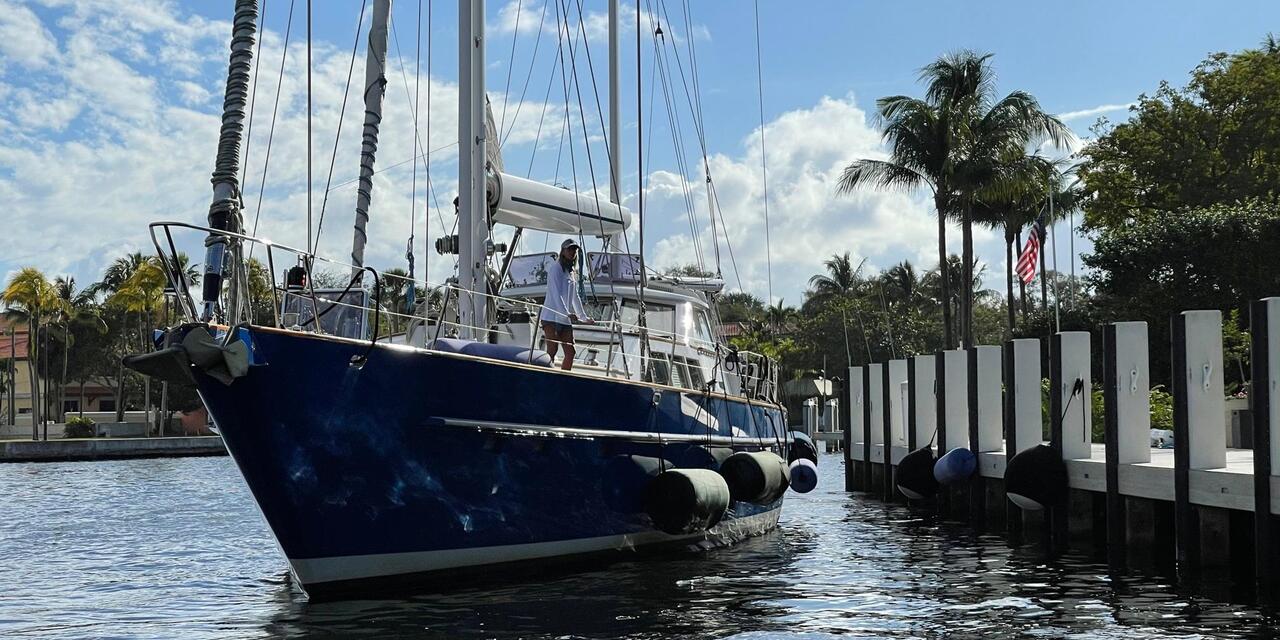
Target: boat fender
(757, 477)
(802, 447)
(914, 475)
(700, 457)
(1036, 478)
(804, 475)
(684, 501)
(956, 466)
(625, 479)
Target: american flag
(1031, 252)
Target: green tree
(739, 307)
(1217, 257)
(1216, 140)
(30, 297)
(841, 279)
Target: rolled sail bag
(685, 501)
(802, 447)
(1036, 478)
(804, 475)
(757, 477)
(956, 466)
(914, 475)
(625, 479)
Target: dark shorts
(558, 327)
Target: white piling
(1205, 402)
(1273, 375)
(1133, 395)
(956, 365)
(1026, 389)
(855, 409)
(897, 408)
(1077, 418)
(926, 399)
(875, 376)
(990, 411)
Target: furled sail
(521, 202)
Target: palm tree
(925, 138)
(953, 141)
(116, 273)
(902, 285)
(1012, 203)
(30, 296)
(841, 278)
(993, 164)
(778, 317)
(395, 283)
(142, 293)
(72, 305)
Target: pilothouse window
(659, 368)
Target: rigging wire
(253, 101)
(673, 121)
(271, 132)
(537, 42)
(426, 224)
(546, 100)
(310, 249)
(413, 185)
(346, 93)
(694, 100)
(506, 91)
(431, 187)
(764, 163)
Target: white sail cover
(521, 202)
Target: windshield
(341, 315)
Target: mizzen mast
(375, 87)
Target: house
(15, 378)
(15, 382)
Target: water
(176, 549)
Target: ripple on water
(175, 549)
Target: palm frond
(878, 174)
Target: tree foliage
(1214, 141)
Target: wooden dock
(1192, 508)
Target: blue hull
(419, 462)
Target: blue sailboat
(454, 448)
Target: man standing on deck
(563, 306)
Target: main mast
(615, 119)
(375, 84)
(473, 223)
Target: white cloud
(1093, 111)
(24, 38)
(191, 93)
(808, 222)
(528, 16)
(145, 135)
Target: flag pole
(1053, 233)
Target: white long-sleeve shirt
(562, 296)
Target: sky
(110, 109)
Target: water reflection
(174, 548)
